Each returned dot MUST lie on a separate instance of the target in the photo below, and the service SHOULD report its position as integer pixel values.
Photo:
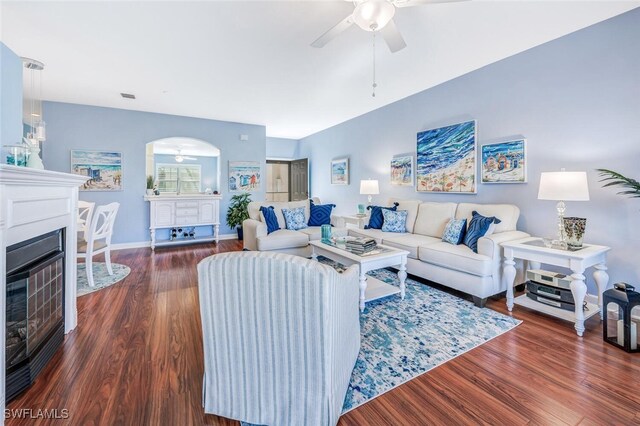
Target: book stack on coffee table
(361, 245)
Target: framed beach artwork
(103, 169)
(402, 170)
(446, 159)
(505, 162)
(244, 176)
(340, 171)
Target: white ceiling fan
(375, 15)
(180, 158)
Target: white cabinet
(171, 211)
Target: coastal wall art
(340, 171)
(402, 170)
(504, 162)
(244, 176)
(446, 159)
(103, 168)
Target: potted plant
(616, 179)
(238, 212)
(149, 185)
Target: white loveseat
(284, 240)
(456, 266)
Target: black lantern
(622, 319)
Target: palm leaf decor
(631, 186)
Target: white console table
(532, 250)
(179, 211)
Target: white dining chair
(98, 238)
(85, 213)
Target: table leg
(216, 233)
(509, 273)
(579, 291)
(602, 281)
(153, 239)
(363, 287)
(402, 276)
(314, 255)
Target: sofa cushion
(375, 218)
(409, 242)
(313, 232)
(268, 216)
(411, 206)
(478, 227)
(376, 234)
(254, 209)
(433, 217)
(455, 231)
(283, 239)
(394, 221)
(320, 214)
(459, 258)
(507, 213)
(295, 218)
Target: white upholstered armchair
(281, 336)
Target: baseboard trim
(143, 244)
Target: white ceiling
(251, 62)
(186, 146)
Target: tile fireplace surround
(32, 203)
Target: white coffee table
(370, 288)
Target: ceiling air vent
(128, 95)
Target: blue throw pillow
(376, 219)
(455, 231)
(394, 221)
(320, 214)
(270, 219)
(294, 218)
(478, 226)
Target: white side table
(533, 250)
(358, 221)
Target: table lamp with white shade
(369, 187)
(563, 186)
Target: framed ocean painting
(402, 170)
(446, 159)
(340, 171)
(505, 162)
(244, 176)
(102, 168)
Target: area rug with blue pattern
(101, 277)
(402, 339)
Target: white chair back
(85, 213)
(102, 223)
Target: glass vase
(574, 231)
(325, 233)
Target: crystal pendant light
(37, 126)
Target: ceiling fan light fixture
(373, 15)
(179, 158)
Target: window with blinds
(182, 178)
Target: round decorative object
(373, 15)
(574, 231)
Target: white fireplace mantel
(34, 202)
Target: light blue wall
(71, 126)
(10, 98)
(575, 99)
(283, 148)
(208, 168)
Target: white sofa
(281, 336)
(284, 240)
(456, 266)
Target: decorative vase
(574, 231)
(34, 161)
(149, 191)
(325, 231)
(361, 209)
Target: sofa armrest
(490, 245)
(252, 230)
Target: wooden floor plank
(136, 358)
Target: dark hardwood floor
(136, 359)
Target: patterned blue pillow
(294, 218)
(455, 231)
(269, 215)
(320, 214)
(478, 226)
(394, 221)
(376, 219)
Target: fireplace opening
(35, 308)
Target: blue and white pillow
(455, 231)
(394, 221)
(376, 219)
(320, 214)
(269, 217)
(294, 218)
(478, 227)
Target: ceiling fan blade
(392, 37)
(341, 26)
(409, 3)
(189, 158)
